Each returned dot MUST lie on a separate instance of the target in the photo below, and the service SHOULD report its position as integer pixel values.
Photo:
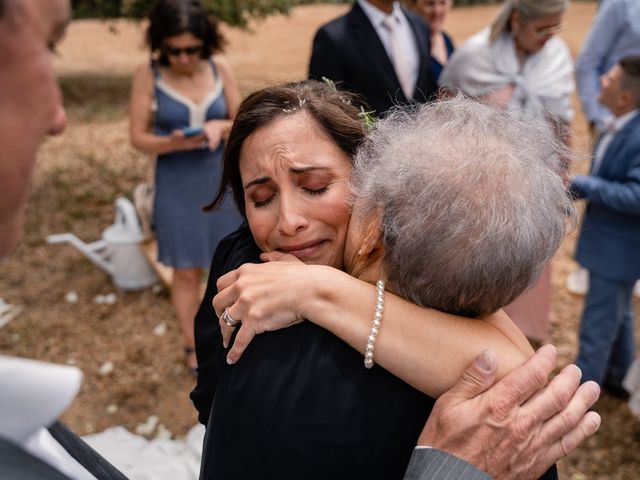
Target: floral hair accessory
(368, 118)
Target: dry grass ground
(82, 172)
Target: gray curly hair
(473, 206)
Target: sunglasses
(176, 52)
(549, 31)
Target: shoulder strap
(216, 75)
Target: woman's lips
(303, 250)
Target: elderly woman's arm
(425, 348)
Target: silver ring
(229, 320)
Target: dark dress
(299, 404)
(188, 180)
(436, 67)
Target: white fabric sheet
(158, 459)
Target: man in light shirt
(475, 423)
(615, 34)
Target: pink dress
(530, 311)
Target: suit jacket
(348, 51)
(432, 464)
(609, 243)
(18, 464)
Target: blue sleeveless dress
(188, 180)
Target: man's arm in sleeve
(514, 429)
(623, 197)
(590, 61)
(433, 464)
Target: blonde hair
(528, 10)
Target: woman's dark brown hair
(333, 110)
(169, 18)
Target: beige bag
(143, 195)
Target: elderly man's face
(30, 101)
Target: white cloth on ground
(157, 459)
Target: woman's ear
(372, 235)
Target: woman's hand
(180, 142)
(216, 131)
(261, 297)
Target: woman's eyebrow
(298, 170)
(257, 181)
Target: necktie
(603, 144)
(397, 56)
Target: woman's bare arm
(425, 348)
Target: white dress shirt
(615, 125)
(32, 396)
(408, 40)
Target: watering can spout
(94, 251)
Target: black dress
(299, 404)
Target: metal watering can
(118, 252)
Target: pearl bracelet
(375, 326)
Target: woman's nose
(291, 217)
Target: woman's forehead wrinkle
(282, 155)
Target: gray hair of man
(527, 9)
(471, 204)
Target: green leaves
(233, 12)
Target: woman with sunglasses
(182, 106)
(519, 63)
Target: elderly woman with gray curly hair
(521, 64)
(456, 206)
(449, 211)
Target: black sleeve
(233, 251)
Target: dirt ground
(81, 173)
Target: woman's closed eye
(316, 191)
(261, 197)
(314, 183)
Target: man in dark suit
(475, 421)
(610, 233)
(377, 50)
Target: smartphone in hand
(192, 131)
